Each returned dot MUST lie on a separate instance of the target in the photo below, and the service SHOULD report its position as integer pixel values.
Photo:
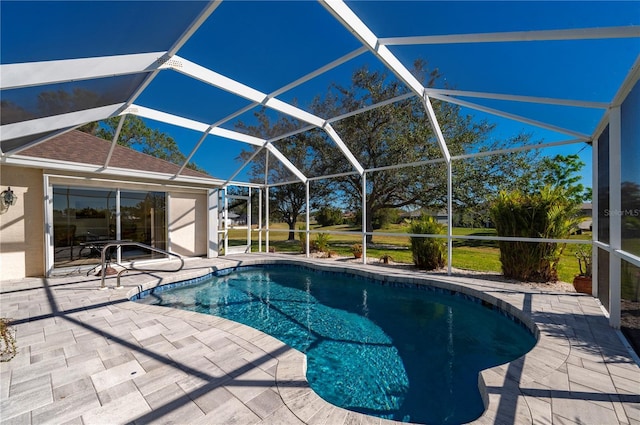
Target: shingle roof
(84, 148)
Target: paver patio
(90, 356)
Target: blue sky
(268, 44)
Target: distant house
(234, 219)
(586, 210)
(348, 216)
(440, 215)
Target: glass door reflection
(142, 219)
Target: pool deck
(90, 356)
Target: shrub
(547, 214)
(428, 253)
(329, 216)
(322, 243)
(8, 348)
(584, 260)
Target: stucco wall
(22, 225)
(188, 223)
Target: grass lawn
(478, 255)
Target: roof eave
(100, 171)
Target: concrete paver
(91, 356)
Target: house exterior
(440, 216)
(76, 191)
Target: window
(630, 172)
(603, 186)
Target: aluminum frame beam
(176, 120)
(49, 72)
(436, 128)
(372, 107)
(216, 131)
(310, 127)
(220, 81)
(247, 162)
(511, 116)
(184, 37)
(56, 122)
(519, 98)
(615, 220)
(286, 162)
(354, 24)
(498, 37)
(31, 74)
(320, 71)
(627, 85)
(206, 133)
(281, 90)
(518, 149)
(345, 151)
(42, 139)
(114, 142)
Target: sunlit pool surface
(394, 352)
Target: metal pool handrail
(138, 244)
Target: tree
(136, 134)
(286, 202)
(381, 218)
(393, 134)
(329, 216)
(400, 133)
(12, 112)
(563, 171)
(476, 180)
(50, 103)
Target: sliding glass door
(81, 216)
(143, 219)
(84, 219)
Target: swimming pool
(394, 352)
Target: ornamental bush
(322, 243)
(549, 214)
(428, 252)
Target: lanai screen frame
(42, 73)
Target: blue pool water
(394, 352)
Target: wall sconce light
(8, 198)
